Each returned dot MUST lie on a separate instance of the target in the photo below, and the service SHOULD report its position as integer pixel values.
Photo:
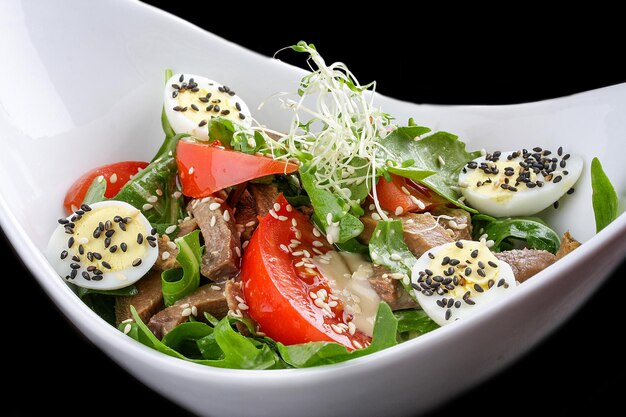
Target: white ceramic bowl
(56, 47)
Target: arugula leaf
(160, 174)
(289, 185)
(504, 231)
(414, 321)
(603, 197)
(426, 155)
(179, 282)
(325, 202)
(184, 338)
(386, 244)
(236, 136)
(322, 353)
(167, 127)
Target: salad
(243, 247)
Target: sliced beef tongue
(458, 222)
(246, 215)
(422, 231)
(264, 197)
(568, 244)
(221, 240)
(236, 305)
(526, 262)
(167, 254)
(148, 300)
(389, 289)
(208, 298)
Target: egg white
(111, 280)
(489, 296)
(491, 199)
(188, 121)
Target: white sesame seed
(191, 170)
(317, 244)
(251, 142)
(245, 244)
(298, 234)
(242, 306)
(236, 313)
(396, 275)
(147, 207)
(212, 222)
(158, 192)
(251, 223)
(406, 280)
(316, 232)
(261, 334)
(170, 229)
(322, 293)
(319, 302)
(276, 206)
(294, 222)
(127, 321)
(289, 208)
(100, 178)
(194, 310)
(453, 224)
(273, 214)
(171, 245)
(284, 248)
(442, 162)
(351, 328)
(306, 253)
(483, 236)
(333, 303)
(399, 211)
(283, 218)
(152, 199)
(299, 264)
(298, 253)
(83, 241)
(165, 256)
(372, 207)
(186, 312)
(127, 328)
(238, 251)
(239, 299)
(319, 252)
(205, 199)
(461, 226)
(376, 216)
(113, 178)
(490, 243)
(226, 215)
(309, 265)
(336, 328)
(176, 194)
(395, 257)
(329, 219)
(357, 344)
(216, 287)
(214, 206)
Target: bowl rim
(95, 328)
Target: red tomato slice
(122, 170)
(277, 283)
(405, 193)
(204, 169)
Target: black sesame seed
(74, 265)
(73, 273)
(90, 256)
(481, 264)
(113, 249)
(63, 221)
(98, 272)
(139, 238)
(195, 89)
(96, 233)
(81, 249)
(64, 254)
(448, 314)
(481, 272)
(238, 106)
(75, 258)
(106, 264)
(512, 189)
(492, 264)
(478, 288)
(184, 109)
(70, 242)
(570, 191)
(109, 233)
(117, 219)
(445, 261)
(242, 116)
(101, 226)
(107, 242)
(474, 253)
(431, 256)
(490, 283)
(86, 275)
(221, 89)
(429, 281)
(122, 226)
(91, 268)
(123, 246)
(97, 256)
(174, 94)
(447, 281)
(216, 108)
(225, 112)
(438, 278)
(555, 205)
(557, 179)
(181, 78)
(469, 301)
(231, 93)
(454, 262)
(127, 220)
(193, 106)
(209, 107)
(151, 238)
(152, 243)
(457, 304)
(97, 278)
(177, 108)
(450, 302)
(566, 157)
(202, 123)
(153, 231)
(440, 303)
(137, 262)
(85, 207)
(416, 286)
(108, 224)
(468, 271)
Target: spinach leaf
(414, 321)
(324, 203)
(387, 248)
(179, 282)
(322, 353)
(158, 175)
(184, 338)
(289, 185)
(603, 197)
(236, 136)
(505, 231)
(426, 156)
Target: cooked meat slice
(568, 244)
(234, 297)
(246, 215)
(421, 231)
(457, 222)
(147, 301)
(390, 290)
(526, 262)
(221, 240)
(165, 262)
(264, 197)
(187, 226)
(208, 298)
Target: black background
(415, 56)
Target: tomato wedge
(406, 194)
(116, 175)
(278, 281)
(204, 169)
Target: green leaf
(236, 136)
(102, 302)
(322, 353)
(184, 338)
(96, 190)
(160, 175)
(414, 321)
(120, 292)
(179, 282)
(506, 231)
(603, 197)
(386, 244)
(426, 154)
(167, 127)
(289, 185)
(325, 202)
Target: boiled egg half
(457, 279)
(191, 101)
(518, 183)
(106, 246)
